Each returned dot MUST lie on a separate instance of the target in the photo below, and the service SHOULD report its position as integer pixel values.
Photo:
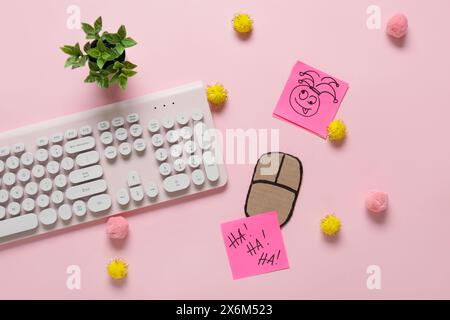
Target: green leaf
(112, 38)
(93, 66)
(87, 47)
(105, 55)
(94, 53)
(70, 50)
(123, 81)
(101, 62)
(70, 62)
(115, 78)
(122, 32)
(77, 50)
(120, 49)
(128, 73)
(118, 65)
(90, 78)
(128, 42)
(129, 65)
(88, 29)
(98, 25)
(101, 46)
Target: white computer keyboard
(106, 161)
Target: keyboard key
(125, 149)
(28, 205)
(182, 118)
(122, 196)
(65, 212)
(9, 179)
(24, 175)
(157, 140)
(194, 161)
(106, 138)
(42, 142)
(103, 126)
(121, 134)
(53, 168)
(118, 122)
(31, 189)
(151, 189)
(161, 155)
(27, 159)
(41, 155)
(79, 145)
(86, 174)
(197, 115)
(176, 151)
(198, 177)
(186, 133)
(38, 171)
(46, 185)
(60, 181)
(86, 190)
(2, 166)
(56, 151)
(153, 126)
(111, 153)
(190, 147)
(18, 225)
(136, 131)
(57, 197)
(13, 209)
(19, 148)
(133, 118)
(79, 208)
(203, 136)
(137, 193)
(85, 131)
(71, 134)
(87, 159)
(165, 169)
(56, 138)
(168, 122)
(176, 183)
(179, 165)
(99, 204)
(12, 163)
(133, 179)
(172, 136)
(139, 145)
(4, 152)
(2, 212)
(67, 164)
(48, 217)
(211, 168)
(17, 192)
(4, 196)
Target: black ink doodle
(305, 98)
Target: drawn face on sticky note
(254, 245)
(310, 99)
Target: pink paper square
(254, 245)
(310, 99)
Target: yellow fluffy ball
(330, 225)
(337, 130)
(217, 94)
(117, 269)
(242, 23)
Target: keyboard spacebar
(17, 225)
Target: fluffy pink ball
(397, 26)
(377, 201)
(117, 228)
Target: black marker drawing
(305, 98)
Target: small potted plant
(105, 55)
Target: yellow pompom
(337, 130)
(330, 225)
(117, 269)
(242, 23)
(217, 94)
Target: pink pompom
(377, 201)
(397, 26)
(117, 228)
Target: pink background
(396, 110)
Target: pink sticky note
(310, 99)
(254, 245)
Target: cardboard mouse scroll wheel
(275, 186)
